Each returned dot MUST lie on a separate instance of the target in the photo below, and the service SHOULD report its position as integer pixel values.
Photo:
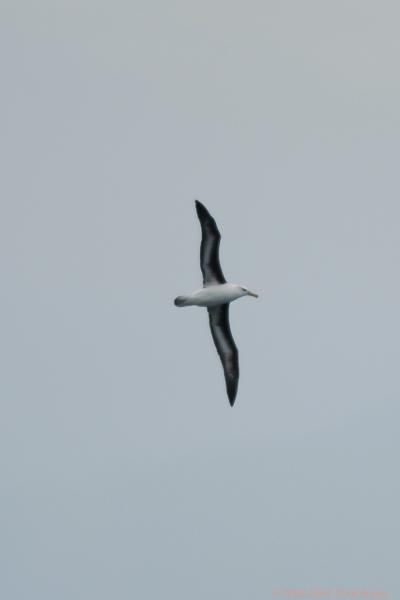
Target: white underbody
(213, 295)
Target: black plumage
(226, 348)
(209, 249)
(219, 315)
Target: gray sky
(124, 472)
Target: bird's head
(247, 292)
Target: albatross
(216, 295)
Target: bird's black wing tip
(232, 396)
(200, 208)
(204, 216)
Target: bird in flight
(216, 295)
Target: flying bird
(216, 295)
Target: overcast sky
(124, 472)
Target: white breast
(213, 295)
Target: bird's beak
(252, 294)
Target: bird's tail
(180, 301)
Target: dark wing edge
(226, 348)
(209, 249)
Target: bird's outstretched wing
(209, 250)
(224, 342)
